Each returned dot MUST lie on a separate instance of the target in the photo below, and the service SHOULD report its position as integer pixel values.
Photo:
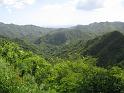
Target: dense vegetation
(62, 62)
(25, 72)
(109, 49)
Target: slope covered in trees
(80, 32)
(66, 60)
(26, 32)
(109, 49)
(25, 72)
(34, 34)
(65, 37)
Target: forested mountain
(101, 27)
(109, 49)
(27, 32)
(65, 37)
(80, 32)
(25, 72)
(79, 59)
(34, 34)
(64, 42)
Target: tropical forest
(77, 59)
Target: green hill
(64, 37)
(36, 34)
(24, 72)
(26, 32)
(71, 67)
(109, 49)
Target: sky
(58, 13)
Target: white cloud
(68, 14)
(55, 15)
(18, 4)
(58, 14)
(90, 4)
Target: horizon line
(58, 26)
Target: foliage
(62, 69)
(107, 48)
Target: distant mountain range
(96, 39)
(79, 32)
(33, 33)
(28, 32)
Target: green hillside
(26, 32)
(80, 59)
(80, 32)
(25, 72)
(108, 48)
(34, 34)
(65, 37)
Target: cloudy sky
(60, 12)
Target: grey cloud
(89, 4)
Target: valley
(78, 59)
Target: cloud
(55, 14)
(18, 4)
(66, 13)
(90, 4)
